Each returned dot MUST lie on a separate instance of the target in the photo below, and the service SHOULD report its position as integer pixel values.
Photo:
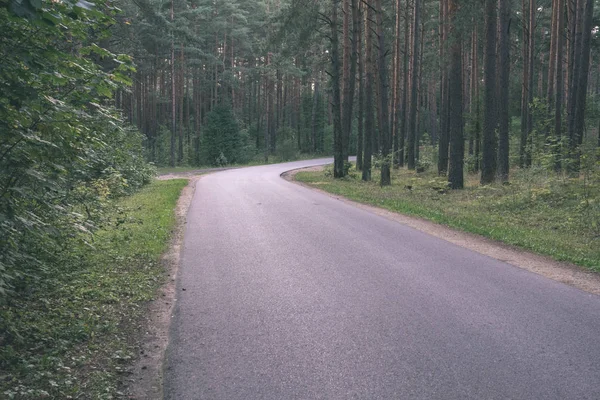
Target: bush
(63, 151)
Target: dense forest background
(495, 84)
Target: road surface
(286, 293)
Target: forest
(488, 85)
(96, 94)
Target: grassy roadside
(74, 336)
(538, 211)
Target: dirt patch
(146, 380)
(559, 271)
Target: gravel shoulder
(570, 274)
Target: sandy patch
(563, 272)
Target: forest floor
(543, 226)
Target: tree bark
(488, 161)
(338, 151)
(383, 93)
(444, 137)
(403, 133)
(396, 102)
(412, 118)
(173, 115)
(582, 83)
(369, 123)
(349, 78)
(503, 85)
(314, 115)
(558, 107)
(525, 87)
(455, 97)
(361, 95)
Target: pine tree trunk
(396, 101)
(349, 76)
(412, 118)
(558, 107)
(369, 123)
(582, 83)
(552, 61)
(525, 87)
(338, 151)
(314, 116)
(474, 83)
(173, 116)
(529, 104)
(383, 93)
(361, 94)
(181, 106)
(444, 137)
(503, 85)
(488, 161)
(404, 105)
(455, 102)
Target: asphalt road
(285, 293)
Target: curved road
(285, 293)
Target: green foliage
(72, 338)
(63, 151)
(221, 141)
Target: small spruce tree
(221, 136)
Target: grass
(74, 336)
(538, 211)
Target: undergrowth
(71, 335)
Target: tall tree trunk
(488, 161)
(525, 87)
(383, 93)
(444, 137)
(558, 108)
(552, 61)
(531, 59)
(181, 105)
(349, 77)
(582, 82)
(412, 118)
(403, 133)
(361, 95)
(314, 115)
(268, 120)
(369, 123)
(346, 102)
(503, 85)
(173, 115)
(473, 86)
(338, 140)
(396, 82)
(455, 102)
(420, 96)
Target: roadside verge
(568, 273)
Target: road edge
(147, 373)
